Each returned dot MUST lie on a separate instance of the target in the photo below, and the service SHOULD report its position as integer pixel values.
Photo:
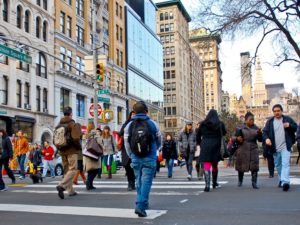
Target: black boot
(254, 179)
(129, 188)
(241, 177)
(215, 178)
(133, 185)
(207, 181)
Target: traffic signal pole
(94, 66)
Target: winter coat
(268, 133)
(75, 128)
(7, 150)
(88, 163)
(247, 157)
(125, 156)
(187, 142)
(169, 150)
(109, 145)
(35, 156)
(49, 151)
(21, 146)
(298, 138)
(209, 139)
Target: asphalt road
(173, 201)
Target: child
(35, 158)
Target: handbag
(160, 157)
(93, 147)
(86, 153)
(197, 152)
(223, 151)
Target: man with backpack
(67, 140)
(142, 138)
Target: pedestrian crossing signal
(99, 72)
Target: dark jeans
(129, 172)
(271, 165)
(5, 163)
(21, 161)
(189, 162)
(91, 176)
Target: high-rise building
(172, 28)
(246, 77)
(207, 47)
(27, 87)
(259, 93)
(144, 61)
(274, 90)
(225, 101)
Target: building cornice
(81, 79)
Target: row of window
(170, 99)
(169, 74)
(169, 62)
(119, 58)
(167, 27)
(119, 10)
(67, 56)
(169, 50)
(166, 16)
(170, 111)
(79, 6)
(167, 38)
(170, 86)
(66, 101)
(45, 4)
(171, 123)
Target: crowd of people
(140, 139)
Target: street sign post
(103, 92)
(105, 100)
(91, 110)
(15, 54)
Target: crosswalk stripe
(80, 211)
(154, 183)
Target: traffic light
(100, 72)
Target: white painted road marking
(183, 201)
(154, 182)
(80, 211)
(295, 181)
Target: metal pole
(94, 66)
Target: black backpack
(140, 137)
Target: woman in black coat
(169, 153)
(126, 161)
(209, 137)
(6, 153)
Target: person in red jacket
(48, 155)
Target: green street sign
(105, 100)
(15, 54)
(103, 92)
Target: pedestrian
(247, 156)
(298, 142)
(48, 157)
(279, 137)
(67, 139)
(6, 153)
(35, 157)
(270, 159)
(209, 137)
(91, 165)
(199, 166)
(21, 147)
(80, 171)
(169, 151)
(187, 146)
(109, 146)
(126, 160)
(142, 138)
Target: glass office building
(144, 57)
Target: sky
(230, 60)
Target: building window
(91, 39)
(171, 26)
(69, 26)
(171, 15)
(166, 27)
(80, 106)
(38, 98)
(79, 32)
(117, 32)
(79, 7)
(173, 74)
(162, 28)
(121, 58)
(45, 99)
(117, 9)
(167, 39)
(64, 99)
(45, 4)
(121, 35)
(62, 57)
(41, 66)
(121, 12)
(37, 27)
(45, 29)
(162, 39)
(70, 2)
(120, 115)
(3, 58)
(69, 60)
(19, 91)
(173, 62)
(167, 62)
(172, 38)
(118, 57)
(161, 16)
(27, 21)
(5, 90)
(166, 15)
(19, 17)
(62, 22)
(80, 66)
(174, 111)
(38, 2)
(172, 50)
(173, 86)
(26, 93)
(174, 99)
(22, 65)
(5, 10)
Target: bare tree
(275, 19)
(296, 101)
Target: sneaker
(60, 191)
(21, 178)
(140, 212)
(73, 194)
(189, 177)
(13, 181)
(286, 187)
(4, 189)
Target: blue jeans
(144, 170)
(282, 163)
(21, 161)
(48, 164)
(170, 164)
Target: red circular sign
(91, 110)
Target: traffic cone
(4, 172)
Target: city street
(173, 201)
